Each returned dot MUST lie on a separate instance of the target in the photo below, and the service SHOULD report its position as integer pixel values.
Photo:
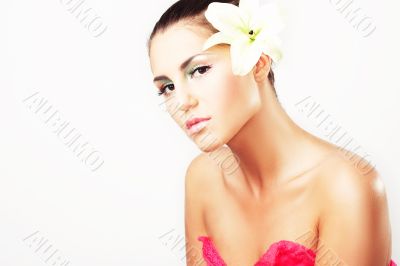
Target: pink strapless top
(281, 253)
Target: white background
(102, 86)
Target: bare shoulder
(354, 219)
(203, 172)
(350, 176)
(200, 179)
(204, 177)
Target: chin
(210, 148)
(208, 141)
(210, 145)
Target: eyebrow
(182, 67)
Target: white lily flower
(250, 30)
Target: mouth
(195, 125)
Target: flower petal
(248, 8)
(244, 56)
(225, 17)
(272, 48)
(270, 18)
(217, 38)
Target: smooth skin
(288, 183)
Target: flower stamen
(252, 35)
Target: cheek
(233, 104)
(228, 97)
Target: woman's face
(203, 87)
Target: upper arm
(354, 225)
(194, 210)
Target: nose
(185, 100)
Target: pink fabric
(281, 253)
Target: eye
(168, 86)
(201, 70)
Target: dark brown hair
(193, 11)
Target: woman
(291, 198)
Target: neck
(270, 147)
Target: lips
(194, 121)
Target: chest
(243, 228)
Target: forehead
(176, 44)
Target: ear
(262, 68)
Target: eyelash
(191, 73)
